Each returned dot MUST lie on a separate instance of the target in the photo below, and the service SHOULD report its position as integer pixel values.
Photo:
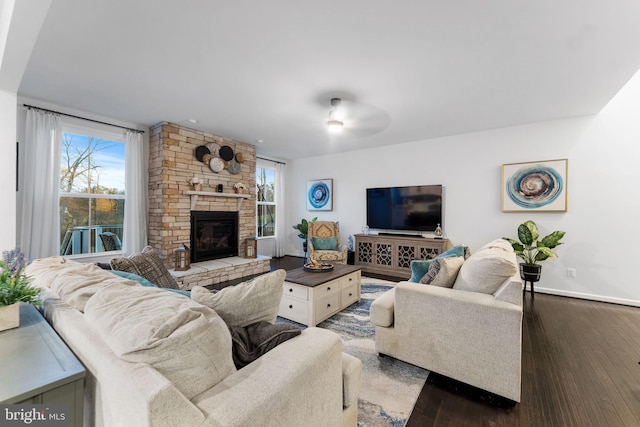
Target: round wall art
(535, 186)
(320, 195)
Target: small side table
(37, 367)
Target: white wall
(603, 189)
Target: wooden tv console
(391, 255)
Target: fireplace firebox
(214, 235)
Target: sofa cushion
(72, 281)
(247, 302)
(443, 272)
(252, 341)
(185, 341)
(144, 282)
(147, 264)
(498, 243)
(486, 270)
(420, 267)
(330, 244)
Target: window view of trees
(266, 206)
(92, 191)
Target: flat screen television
(412, 208)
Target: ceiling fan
(356, 119)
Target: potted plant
(196, 183)
(303, 229)
(531, 250)
(240, 188)
(15, 287)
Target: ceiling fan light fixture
(335, 123)
(335, 126)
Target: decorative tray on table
(317, 268)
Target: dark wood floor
(580, 367)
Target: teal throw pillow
(330, 244)
(420, 267)
(145, 282)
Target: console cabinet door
(392, 255)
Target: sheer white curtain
(39, 234)
(280, 225)
(135, 205)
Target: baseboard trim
(590, 297)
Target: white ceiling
(409, 70)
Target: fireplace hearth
(214, 235)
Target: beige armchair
(324, 242)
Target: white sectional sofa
(158, 358)
(471, 332)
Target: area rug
(390, 387)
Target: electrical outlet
(571, 272)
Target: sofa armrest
(351, 380)
(381, 312)
(300, 382)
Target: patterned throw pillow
(443, 272)
(147, 264)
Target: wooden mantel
(194, 197)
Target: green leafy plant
(303, 228)
(529, 248)
(14, 283)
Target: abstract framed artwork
(535, 186)
(320, 195)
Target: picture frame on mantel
(539, 186)
(320, 195)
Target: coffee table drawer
(295, 291)
(327, 306)
(293, 309)
(349, 295)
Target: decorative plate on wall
(214, 148)
(201, 151)
(216, 164)
(234, 167)
(226, 153)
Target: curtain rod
(269, 160)
(32, 107)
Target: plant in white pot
(531, 250)
(15, 287)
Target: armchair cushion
(330, 244)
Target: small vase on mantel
(197, 187)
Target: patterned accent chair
(324, 242)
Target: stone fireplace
(172, 163)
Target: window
(92, 191)
(266, 202)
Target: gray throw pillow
(147, 264)
(251, 342)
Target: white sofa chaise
(157, 358)
(471, 332)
